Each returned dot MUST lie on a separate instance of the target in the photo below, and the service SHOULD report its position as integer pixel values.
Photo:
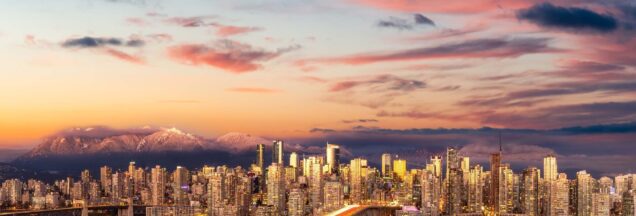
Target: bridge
(112, 210)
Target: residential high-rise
(430, 193)
(276, 187)
(558, 200)
(387, 166)
(550, 170)
(315, 182)
(584, 190)
(105, 177)
(475, 189)
(216, 187)
(181, 187)
(293, 160)
(158, 185)
(277, 152)
(601, 204)
(333, 157)
(334, 195)
(495, 166)
(436, 161)
(399, 168)
(296, 202)
(260, 150)
(453, 182)
(530, 192)
(358, 178)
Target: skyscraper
(296, 203)
(495, 165)
(436, 161)
(293, 160)
(584, 189)
(358, 178)
(453, 182)
(399, 168)
(260, 149)
(276, 187)
(530, 192)
(180, 185)
(334, 195)
(475, 189)
(387, 168)
(333, 157)
(277, 152)
(550, 170)
(558, 200)
(158, 185)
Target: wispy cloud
(478, 48)
(257, 90)
(227, 55)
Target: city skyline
(312, 186)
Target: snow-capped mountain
(84, 141)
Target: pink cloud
(227, 55)
(443, 6)
(229, 30)
(124, 56)
(137, 21)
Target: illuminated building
(333, 158)
(387, 168)
(277, 152)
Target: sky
(307, 69)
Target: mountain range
(75, 149)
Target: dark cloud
(397, 23)
(405, 24)
(95, 42)
(423, 20)
(372, 91)
(380, 83)
(321, 130)
(476, 48)
(359, 121)
(566, 115)
(568, 18)
(529, 97)
(522, 147)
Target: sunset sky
(286, 68)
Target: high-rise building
(260, 150)
(495, 166)
(530, 192)
(333, 157)
(105, 177)
(334, 195)
(453, 182)
(181, 187)
(358, 179)
(296, 202)
(436, 162)
(293, 160)
(558, 200)
(315, 182)
(430, 193)
(158, 185)
(276, 187)
(399, 168)
(387, 166)
(584, 190)
(550, 170)
(277, 152)
(601, 204)
(216, 188)
(475, 189)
